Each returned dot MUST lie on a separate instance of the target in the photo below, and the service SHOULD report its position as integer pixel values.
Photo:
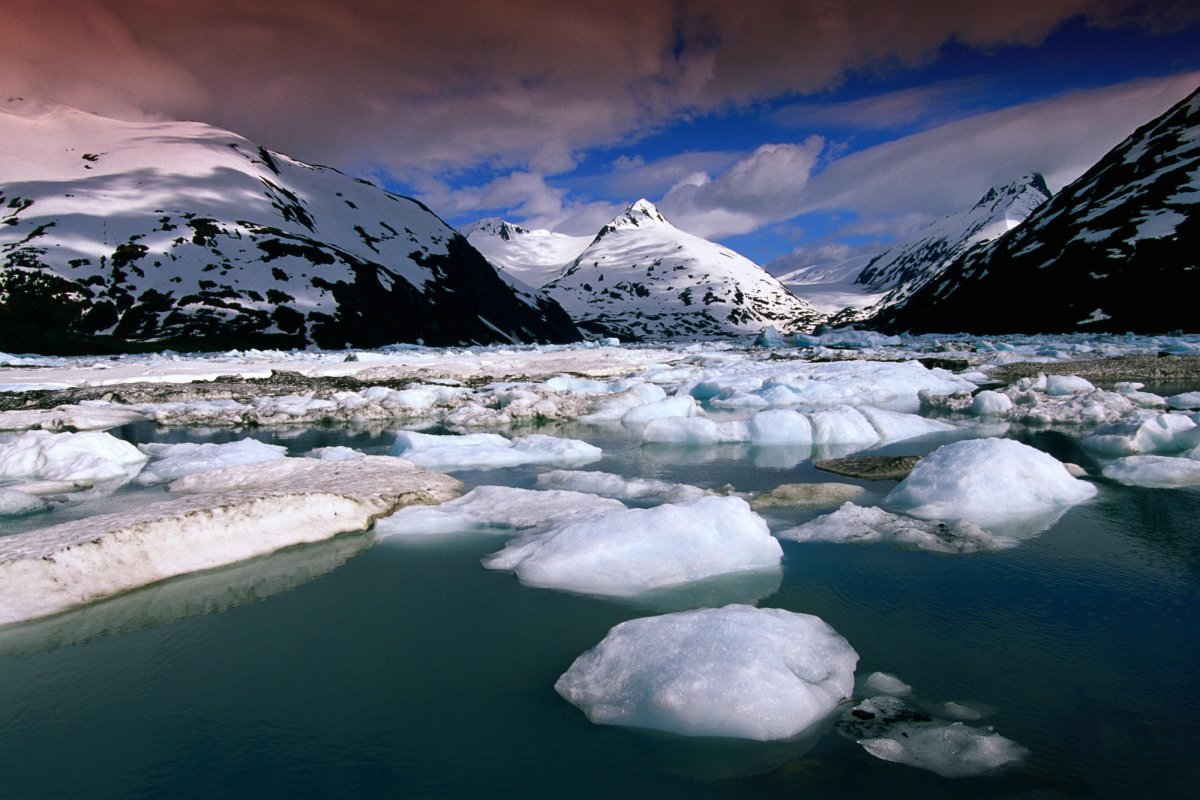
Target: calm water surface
(405, 669)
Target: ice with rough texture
(988, 482)
(738, 671)
(490, 450)
(862, 524)
(15, 503)
(607, 484)
(88, 456)
(991, 404)
(628, 552)
(495, 509)
(1155, 472)
(1184, 401)
(173, 461)
(1062, 385)
(1159, 433)
(237, 513)
(681, 406)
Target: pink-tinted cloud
(419, 87)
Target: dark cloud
(418, 87)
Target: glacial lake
(402, 668)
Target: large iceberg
(237, 513)
(628, 552)
(490, 450)
(989, 482)
(738, 671)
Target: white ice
(1187, 400)
(989, 403)
(173, 461)
(335, 453)
(625, 553)
(17, 503)
(495, 509)
(1161, 433)
(738, 671)
(989, 482)
(607, 484)
(1155, 472)
(885, 683)
(862, 524)
(490, 450)
(88, 456)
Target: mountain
(1116, 250)
(130, 235)
(533, 257)
(830, 284)
(643, 278)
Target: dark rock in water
(870, 468)
(952, 364)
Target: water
(406, 669)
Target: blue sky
(787, 129)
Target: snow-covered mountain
(830, 286)
(643, 278)
(188, 236)
(533, 257)
(1116, 250)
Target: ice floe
(1187, 400)
(625, 553)
(495, 509)
(1155, 472)
(173, 461)
(1159, 433)
(234, 514)
(607, 484)
(490, 450)
(861, 524)
(88, 456)
(737, 671)
(988, 482)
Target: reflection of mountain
(188, 596)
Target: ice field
(603, 570)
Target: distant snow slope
(1117, 250)
(186, 235)
(830, 287)
(533, 257)
(643, 278)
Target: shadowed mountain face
(118, 235)
(1117, 250)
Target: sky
(793, 131)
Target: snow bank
(628, 552)
(988, 482)
(1155, 472)
(737, 671)
(852, 523)
(607, 484)
(242, 512)
(173, 461)
(490, 450)
(495, 509)
(89, 456)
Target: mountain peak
(1032, 184)
(640, 213)
(493, 226)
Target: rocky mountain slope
(1116, 250)
(127, 235)
(643, 278)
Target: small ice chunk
(895, 426)
(176, 460)
(1156, 434)
(988, 482)
(14, 503)
(694, 431)
(852, 523)
(991, 404)
(1063, 385)
(842, 425)
(740, 672)
(807, 495)
(607, 484)
(780, 426)
(490, 450)
(1155, 472)
(495, 509)
(1185, 401)
(679, 406)
(88, 456)
(885, 683)
(336, 453)
(628, 552)
(615, 406)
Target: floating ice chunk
(616, 406)
(885, 683)
(338, 453)
(738, 672)
(88, 456)
(1062, 385)
(780, 426)
(807, 495)
(988, 482)
(490, 450)
(88, 415)
(852, 523)
(14, 503)
(895, 426)
(1187, 400)
(842, 425)
(680, 406)
(694, 430)
(1160, 433)
(606, 484)
(176, 460)
(629, 552)
(991, 404)
(495, 509)
(888, 730)
(1155, 472)
(245, 511)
